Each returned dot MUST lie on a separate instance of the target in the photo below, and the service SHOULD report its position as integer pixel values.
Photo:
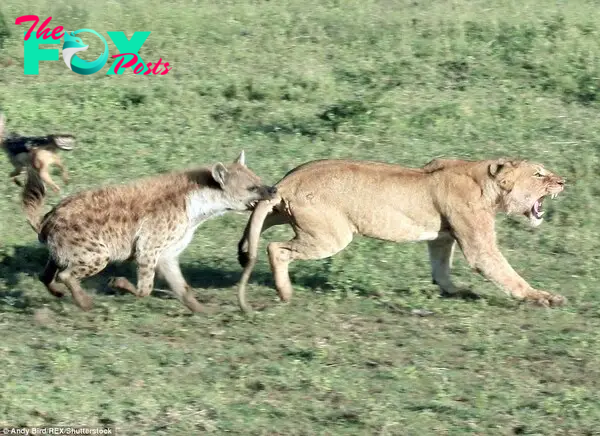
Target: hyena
(150, 221)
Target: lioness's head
(524, 186)
(241, 186)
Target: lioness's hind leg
(327, 237)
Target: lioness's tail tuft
(248, 247)
(32, 199)
(243, 256)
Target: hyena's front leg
(146, 265)
(478, 244)
(168, 268)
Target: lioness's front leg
(478, 243)
(441, 252)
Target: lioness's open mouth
(536, 209)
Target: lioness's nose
(272, 190)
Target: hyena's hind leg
(48, 278)
(84, 267)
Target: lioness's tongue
(536, 207)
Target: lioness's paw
(546, 299)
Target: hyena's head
(241, 187)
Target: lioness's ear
(241, 159)
(219, 173)
(496, 167)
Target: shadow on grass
(30, 260)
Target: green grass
(288, 82)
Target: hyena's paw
(83, 301)
(121, 283)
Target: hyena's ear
(241, 159)
(220, 173)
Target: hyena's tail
(32, 199)
(250, 240)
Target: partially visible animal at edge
(150, 221)
(446, 202)
(39, 152)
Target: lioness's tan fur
(446, 202)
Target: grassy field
(291, 81)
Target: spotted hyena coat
(150, 221)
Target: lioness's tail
(251, 237)
(32, 199)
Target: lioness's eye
(538, 174)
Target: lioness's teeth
(541, 214)
(554, 196)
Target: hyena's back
(110, 224)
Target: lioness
(448, 201)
